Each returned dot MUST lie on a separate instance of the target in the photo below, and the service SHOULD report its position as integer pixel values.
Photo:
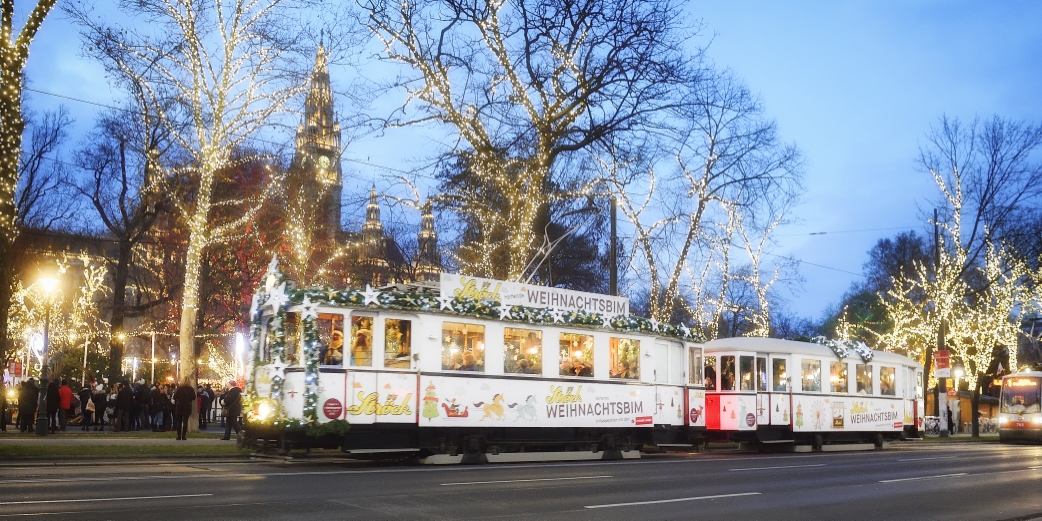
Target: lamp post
(48, 285)
(153, 358)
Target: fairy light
(13, 56)
(977, 319)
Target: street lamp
(48, 287)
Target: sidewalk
(133, 444)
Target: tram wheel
(879, 440)
(818, 442)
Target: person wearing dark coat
(232, 399)
(28, 398)
(124, 404)
(184, 401)
(53, 399)
(86, 400)
(156, 398)
(100, 400)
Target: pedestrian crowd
(125, 407)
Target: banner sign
(448, 401)
(532, 295)
(14, 368)
(942, 367)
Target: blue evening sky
(854, 84)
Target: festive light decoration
(75, 311)
(979, 305)
(228, 72)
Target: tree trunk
(119, 310)
(975, 406)
(189, 319)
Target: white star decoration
(254, 304)
(654, 324)
(446, 303)
(310, 308)
(371, 295)
(278, 368)
(504, 311)
(273, 265)
(684, 329)
(606, 321)
(557, 314)
(278, 298)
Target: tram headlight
(1037, 420)
(1003, 420)
(262, 411)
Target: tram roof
(779, 346)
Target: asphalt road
(950, 482)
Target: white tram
(1020, 409)
(765, 391)
(474, 367)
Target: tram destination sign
(531, 295)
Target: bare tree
(229, 66)
(523, 84)
(126, 188)
(727, 166)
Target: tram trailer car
(434, 382)
(766, 391)
(1020, 409)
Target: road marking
(613, 505)
(98, 499)
(926, 459)
(523, 480)
(924, 477)
(781, 467)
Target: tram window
(838, 377)
(863, 374)
(781, 376)
(524, 351)
(745, 369)
(887, 381)
(711, 373)
(761, 374)
(811, 375)
(397, 343)
(292, 338)
(694, 375)
(462, 347)
(1020, 396)
(330, 338)
(576, 354)
(361, 341)
(919, 385)
(624, 358)
(726, 373)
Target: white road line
(926, 459)
(98, 499)
(522, 480)
(613, 505)
(780, 467)
(923, 477)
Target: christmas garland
(841, 348)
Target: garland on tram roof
(486, 309)
(841, 348)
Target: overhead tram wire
(844, 231)
(259, 140)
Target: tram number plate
(1018, 425)
(644, 420)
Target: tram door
(763, 399)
